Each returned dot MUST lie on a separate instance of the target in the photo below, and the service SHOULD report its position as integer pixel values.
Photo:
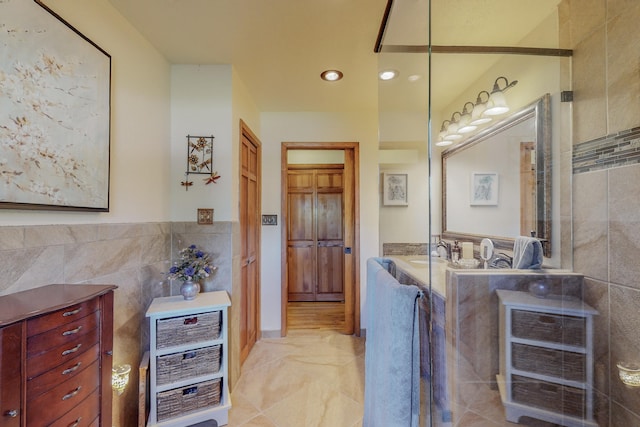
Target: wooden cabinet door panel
(301, 272)
(300, 217)
(10, 375)
(330, 273)
(330, 217)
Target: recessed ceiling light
(331, 75)
(388, 74)
(414, 77)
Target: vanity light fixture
(497, 103)
(442, 142)
(474, 115)
(331, 75)
(453, 128)
(464, 123)
(414, 77)
(477, 117)
(387, 74)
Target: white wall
(139, 121)
(201, 104)
(304, 127)
(244, 109)
(406, 224)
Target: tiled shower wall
(606, 188)
(132, 256)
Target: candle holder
(629, 373)
(120, 378)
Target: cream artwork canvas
(54, 112)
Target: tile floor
(311, 378)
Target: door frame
(351, 288)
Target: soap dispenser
(455, 252)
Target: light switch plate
(205, 216)
(269, 219)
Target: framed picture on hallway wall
(55, 112)
(394, 189)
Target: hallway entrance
(319, 231)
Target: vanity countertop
(417, 266)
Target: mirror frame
(541, 111)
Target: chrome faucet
(447, 248)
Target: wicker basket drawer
(546, 395)
(546, 361)
(176, 331)
(179, 401)
(548, 327)
(189, 364)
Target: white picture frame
(484, 189)
(395, 189)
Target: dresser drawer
(36, 365)
(83, 415)
(69, 314)
(63, 334)
(555, 328)
(63, 372)
(62, 398)
(547, 361)
(546, 395)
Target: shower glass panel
(452, 56)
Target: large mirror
(497, 183)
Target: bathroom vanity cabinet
(56, 346)
(188, 360)
(546, 358)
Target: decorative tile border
(611, 151)
(405, 249)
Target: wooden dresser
(56, 346)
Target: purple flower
(173, 270)
(192, 247)
(207, 269)
(189, 271)
(199, 254)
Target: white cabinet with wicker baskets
(546, 358)
(188, 360)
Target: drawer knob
(72, 394)
(72, 350)
(72, 331)
(11, 413)
(72, 312)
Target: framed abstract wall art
(55, 102)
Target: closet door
(315, 234)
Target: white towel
(527, 253)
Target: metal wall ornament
(200, 160)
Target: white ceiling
(280, 47)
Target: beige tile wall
(606, 203)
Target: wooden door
(250, 154)
(315, 242)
